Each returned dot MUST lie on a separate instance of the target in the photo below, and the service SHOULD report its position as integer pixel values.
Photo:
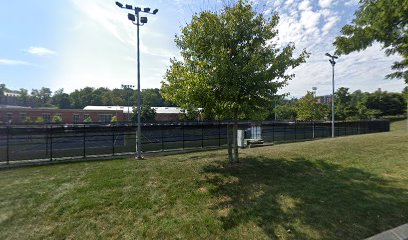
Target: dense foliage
(348, 106)
(231, 66)
(383, 21)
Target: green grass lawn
(347, 188)
(399, 126)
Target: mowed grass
(346, 188)
(399, 126)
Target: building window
(104, 118)
(76, 118)
(46, 117)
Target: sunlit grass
(399, 126)
(346, 188)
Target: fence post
(113, 141)
(202, 135)
(284, 131)
(46, 141)
(182, 130)
(51, 143)
(162, 137)
(304, 132)
(345, 128)
(273, 133)
(219, 134)
(313, 130)
(8, 143)
(295, 130)
(84, 142)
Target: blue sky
(71, 44)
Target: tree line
(348, 106)
(81, 98)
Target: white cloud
(289, 2)
(310, 19)
(352, 3)
(305, 5)
(40, 51)
(325, 3)
(13, 62)
(330, 23)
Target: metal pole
(138, 134)
(8, 144)
(333, 98)
(84, 141)
(51, 143)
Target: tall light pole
(138, 21)
(333, 63)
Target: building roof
(168, 110)
(160, 110)
(12, 106)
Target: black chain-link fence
(52, 142)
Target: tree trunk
(236, 156)
(229, 143)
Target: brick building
(98, 114)
(19, 115)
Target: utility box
(241, 138)
(251, 136)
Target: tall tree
(231, 65)
(61, 99)
(384, 21)
(308, 109)
(344, 108)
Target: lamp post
(126, 88)
(138, 21)
(333, 63)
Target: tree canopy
(231, 67)
(308, 109)
(383, 21)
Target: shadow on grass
(305, 199)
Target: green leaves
(384, 21)
(230, 67)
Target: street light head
(146, 10)
(155, 11)
(129, 6)
(119, 4)
(143, 20)
(131, 17)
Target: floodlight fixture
(131, 17)
(328, 54)
(143, 20)
(119, 4)
(155, 11)
(146, 10)
(129, 6)
(138, 9)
